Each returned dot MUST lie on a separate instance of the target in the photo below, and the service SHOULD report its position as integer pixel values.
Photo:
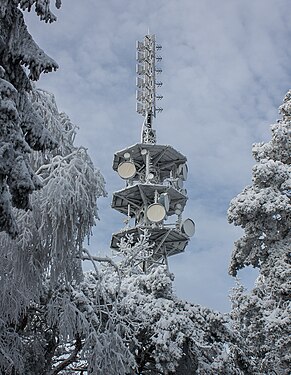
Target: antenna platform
(154, 197)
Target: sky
(226, 69)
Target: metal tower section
(146, 83)
(154, 197)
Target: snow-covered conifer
(263, 210)
(164, 334)
(22, 130)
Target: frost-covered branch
(42, 8)
(41, 296)
(71, 359)
(94, 259)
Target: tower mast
(146, 83)
(153, 198)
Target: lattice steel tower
(153, 198)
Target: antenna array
(146, 83)
(154, 197)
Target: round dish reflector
(156, 212)
(188, 227)
(183, 171)
(126, 170)
(183, 191)
(126, 155)
(164, 199)
(179, 183)
(151, 176)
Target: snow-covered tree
(164, 335)
(22, 130)
(263, 210)
(55, 319)
(41, 269)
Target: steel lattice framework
(146, 83)
(154, 197)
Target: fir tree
(22, 130)
(262, 317)
(164, 334)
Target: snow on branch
(21, 48)
(42, 8)
(71, 358)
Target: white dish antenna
(179, 183)
(151, 176)
(126, 170)
(178, 209)
(188, 227)
(156, 212)
(184, 192)
(144, 151)
(164, 199)
(183, 171)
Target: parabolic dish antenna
(188, 227)
(143, 151)
(178, 209)
(151, 176)
(156, 212)
(164, 199)
(179, 183)
(183, 171)
(126, 170)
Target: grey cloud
(225, 72)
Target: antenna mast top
(146, 85)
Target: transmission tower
(154, 197)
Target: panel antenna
(146, 84)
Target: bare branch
(73, 356)
(99, 259)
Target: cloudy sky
(226, 68)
